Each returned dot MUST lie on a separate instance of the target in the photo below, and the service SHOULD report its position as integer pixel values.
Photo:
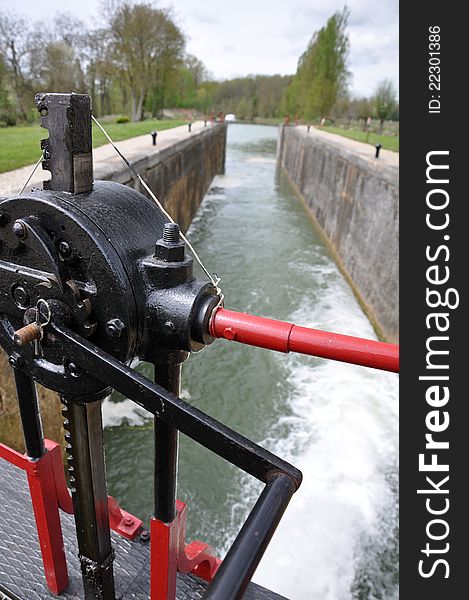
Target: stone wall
(179, 175)
(356, 204)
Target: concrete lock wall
(355, 202)
(179, 175)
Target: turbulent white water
(343, 437)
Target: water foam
(127, 412)
(123, 411)
(342, 434)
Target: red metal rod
(286, 337)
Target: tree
(322, 73)
(7, 116)
(40, 58)
(384, 101)
(182, 89)
(61, 70)
(196, 68)
(247, 97)
(147, 48)
(361, 109)
(245, 109)
(15, 46)
(100, 69)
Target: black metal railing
(281, 478)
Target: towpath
(104, 157)
(366, 151)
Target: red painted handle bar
(286, 337)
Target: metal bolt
(170, 325)
(20, 296)
(128, 521)
(229, 333)
(65, 249)
(19, 229)
(15, 361)
(73, 369)
(114, 328)
(144, 535)
(170, 248)
(171, 233)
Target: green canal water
(338, 423)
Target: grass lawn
(19, 146)
(388, 142)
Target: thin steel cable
(214, 280)
(41, 158)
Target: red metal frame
(42, 486)
(286, 337)
(170, 554)
(49, 492)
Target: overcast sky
(241, 37)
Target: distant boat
(230, 117)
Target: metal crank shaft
(286, 337)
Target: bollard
(190, 127)
(205, 122)
(308, 128)
(153, 135)
(378, 148)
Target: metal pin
(27, 334)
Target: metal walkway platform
(21, 570)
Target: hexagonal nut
(170, 252)
(73, 369)
(65, 250)
(15, 360)
(114, 328)
(20, 296)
